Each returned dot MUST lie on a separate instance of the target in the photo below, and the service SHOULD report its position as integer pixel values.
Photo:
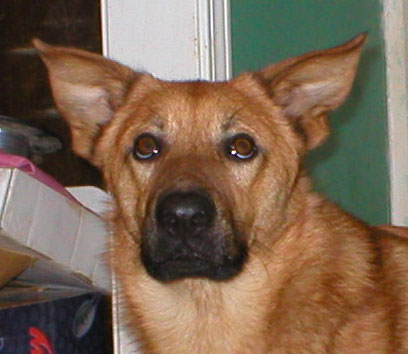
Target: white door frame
(395, 20)
(172, 39)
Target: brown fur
(317, 280)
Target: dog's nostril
(185, 212)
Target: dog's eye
(242, 147)
(146, 147)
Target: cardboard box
(51, 248)
(42, 219)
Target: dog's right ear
(87, 90)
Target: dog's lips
(188, 263)
(183, 267)
(180, 269)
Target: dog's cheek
(240, 209)
(270, 193)
(128, 189)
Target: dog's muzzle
(187, 240)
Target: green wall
(351, 167)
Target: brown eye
(146, 147)
(242, 147)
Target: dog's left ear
(307, 87)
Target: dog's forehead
(187, 102)
(200, 105)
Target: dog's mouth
(168, 263)
(184, 239)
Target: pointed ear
(87, 89)
(307, 87)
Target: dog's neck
(203, 311)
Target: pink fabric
(25, 165)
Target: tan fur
(317, 279)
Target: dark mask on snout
(184, 238)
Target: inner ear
(309, 86)
(87, 90)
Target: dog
(220, 245)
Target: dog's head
(196, 169)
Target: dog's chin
(179, 268)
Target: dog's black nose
(185, 213)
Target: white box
(38, 217)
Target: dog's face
(187, 155)
(196, 168)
